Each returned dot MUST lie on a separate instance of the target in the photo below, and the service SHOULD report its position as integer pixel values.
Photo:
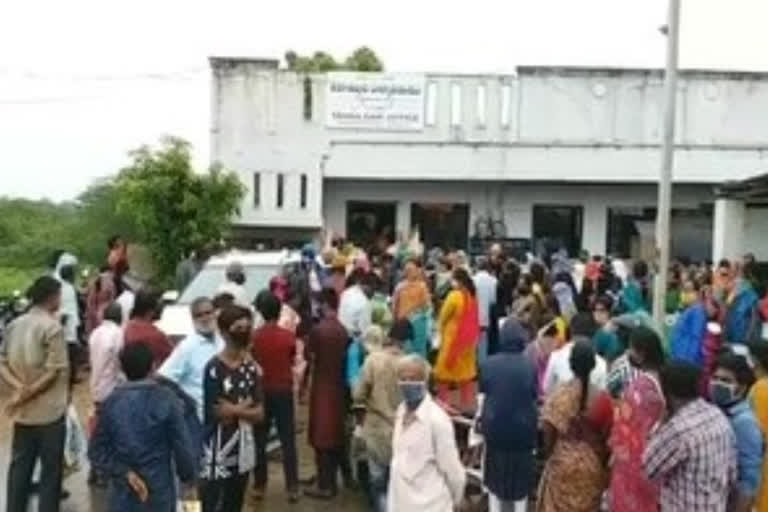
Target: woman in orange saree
(459, 327)
(575, 423)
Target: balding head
(413, 368)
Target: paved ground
(83, 499)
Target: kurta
(759, 399)
(326, 349)
(465, 368)
(426, 474)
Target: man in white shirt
(426, 474)
(559, 366)
(104, 345)
(355, 305)
(234, 285)
(486, 285)
(127, 298)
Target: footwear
(257, 494)
(293, 496)
(318, 494)
(64, 495)
(350, 484)
(312, 480)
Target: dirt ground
(84, 499)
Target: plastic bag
(75, 444)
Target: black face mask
(240, 338)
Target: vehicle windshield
(208, 281)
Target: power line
(184, 74)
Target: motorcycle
(11, 307)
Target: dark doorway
(557, 227)
(631, 233)
(443, 225)
(371, 223)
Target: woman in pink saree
(639, 410)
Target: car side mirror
(170, 296)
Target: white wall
(565, 126)
(512, 202)
(756, 232)
(729, 229)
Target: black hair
(582, 324)
(67, 273)
(268, 305)
(114, 313)
(462, 276)
(231, 314)
(43, 289)
(329, 298)
(199, 301)
(582, 363)
(604, 300)
(401, 330)
(724, 263)
(759, 351)
(648, 343)
(484, 264)
(112, 241)
(136, 360)
(53, 262)
(354, 277)
(223, 300)
(146, 302)
(538, 272)
(738, 366)
(680, 380)
(640, 269)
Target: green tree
(174, 209)
(362, 59)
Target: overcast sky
(83, 81)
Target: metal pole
(667, 160)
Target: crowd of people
(581, 402)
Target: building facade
(562, 157)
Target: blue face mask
(413, 393)
(722, 394)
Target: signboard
(375, 101)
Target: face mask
(206, 331)
(413, 393)
(723, 394)
(240, 338)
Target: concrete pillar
(403, 218)
(594, 237)
(728, 235)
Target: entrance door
(371, 223)
(556, 227)
(443, 225)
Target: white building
(567, 156)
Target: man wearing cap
(234, 285)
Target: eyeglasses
(205, 312)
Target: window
(256, 189)
(303, 191)
(431, 104)
(455, 104)
(481, 105)
(280, 189)
(506, 104)
(307, 87)
(557, 227)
